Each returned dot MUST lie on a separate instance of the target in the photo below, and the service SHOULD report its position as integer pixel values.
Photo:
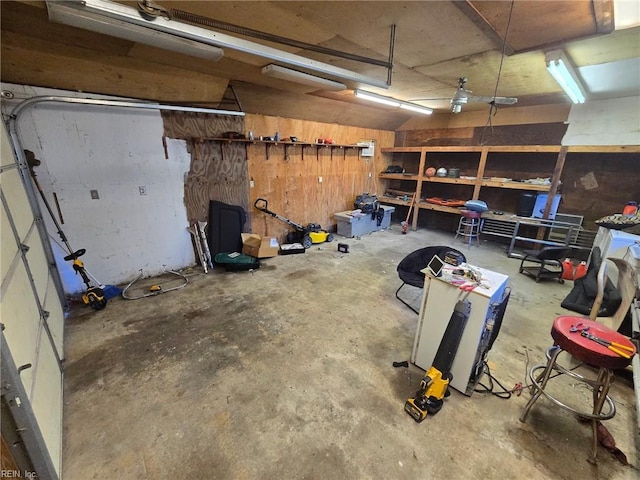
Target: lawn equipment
(95, 296)
(306, 235)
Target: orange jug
(630, 209)
(581, 270)
(567, 269)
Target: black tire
(306, 242)
(330, 237)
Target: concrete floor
(287, 372)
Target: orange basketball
(430, 172)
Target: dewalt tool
(435, 384)
(93, 296)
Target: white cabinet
(438, 301)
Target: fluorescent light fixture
(283, 73)
(416, 108)
(123, 13)
(392, 102)
(560, 68)
(62, 13)
(374, 97)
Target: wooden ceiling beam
(603, 14)
(32, 61)
(468, 8)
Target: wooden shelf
(482, 179)
(399, 176)
(393, 201)
(516, 185)
(280, 142)
(438, 208)
(458, 181)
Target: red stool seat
(587, 350)
(470, 214)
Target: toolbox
(355, 225)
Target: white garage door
(33, 319)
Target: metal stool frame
(600, 386)
(469, 228)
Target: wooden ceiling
(435, 43)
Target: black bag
(367, 203)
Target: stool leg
(600, 392)
(459, 230)
(545, 378)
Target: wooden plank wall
(218, 170)
(617, 174)
(531, 134)
(224, 171)
(290, 182)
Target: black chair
(410, 266)
(548, 263)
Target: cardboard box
(259, 247)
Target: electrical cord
(518, 387)
(503, 393)
(493, 108)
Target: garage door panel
(37, 262)
(56, 316)
(20, 296)
(16, 197)
(47, 398)
(9, 249)
(8, 157)
(21, 317)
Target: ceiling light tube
(283, 73)
(374, 97)
(62, 13)
(112, 10)
(561, 70)
(416, 108)
(392, 102)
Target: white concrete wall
(604, 122)
(114, 151)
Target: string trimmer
(95, 295)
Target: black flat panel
(225, 226)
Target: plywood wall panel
(288, 176)
(200, 125)
(290, 181)
(218, 170)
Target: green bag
(236, 262)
